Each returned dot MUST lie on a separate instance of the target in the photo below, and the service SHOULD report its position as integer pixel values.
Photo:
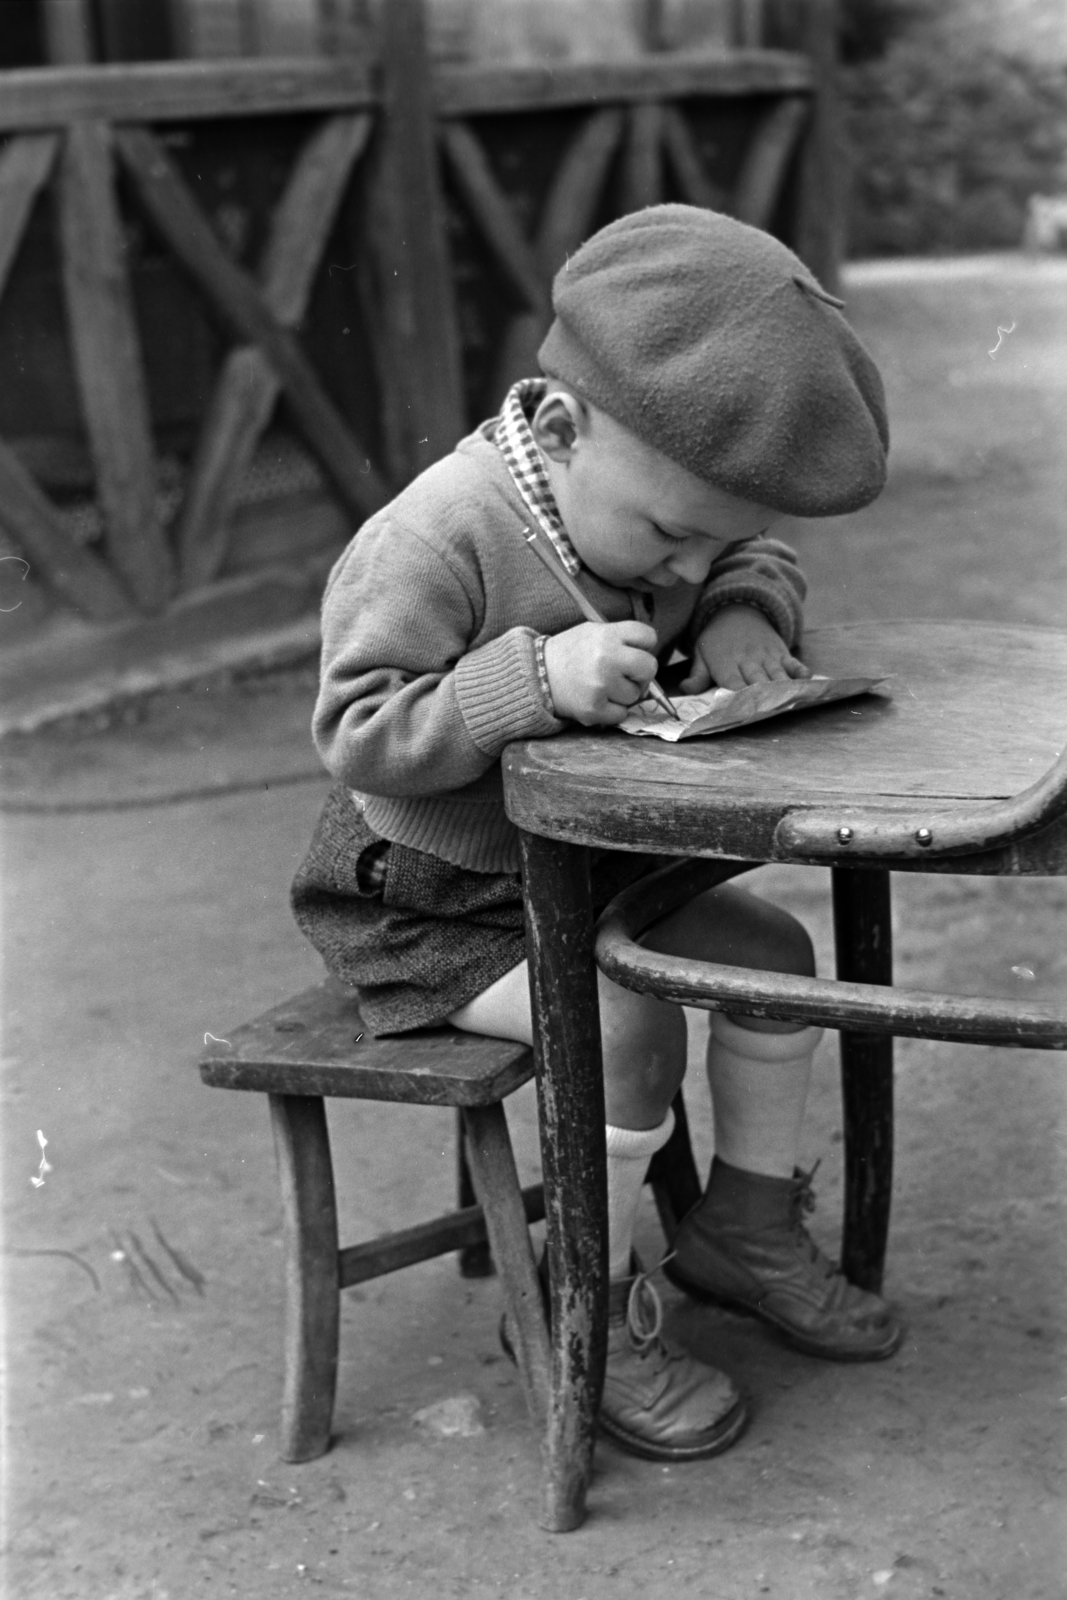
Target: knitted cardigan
(429, 665)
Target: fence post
(818, 228)
(421, 376)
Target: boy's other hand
(740, 646)
(598, 670)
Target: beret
(711, 341)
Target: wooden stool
(315, 1046)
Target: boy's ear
(558, 423)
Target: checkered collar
(516, 443)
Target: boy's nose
(692, 561)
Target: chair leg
(570, 1099)
(863, 937)
(673, 1175)
(475, 1260)
(312, 1293)
(496, 1184)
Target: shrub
(945, 147)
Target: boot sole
(727, 1433)
(798, 1341)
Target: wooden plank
(68, 31)
(493, 214)
(182, 91)
(248, 388)
(458, 1230)
(75, 574)
(422, 381)
(108, 364)
(465, 91)
(817, 201)
(306, 213)
(237, 299)
(25, 167)
(316, 1043)
(37, 98)
(566, 221)
(686, 163)
(576, 189)
(766, 161)
(643, 170)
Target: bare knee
(734, 928)
(786, 942)
(644, 1043)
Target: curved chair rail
(836, 834)
(828, 1002)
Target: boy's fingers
(639, 635)
(698, 680)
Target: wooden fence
(423, 156)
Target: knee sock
(629, 1152)
(759, 1088)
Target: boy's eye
(674, 538)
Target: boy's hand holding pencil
(598, 671)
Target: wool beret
(713, 342)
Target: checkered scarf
(527, 465)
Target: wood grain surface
(978, 713)
(309, 1046)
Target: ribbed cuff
(639, 1144)
(499, 692)
(743, 592)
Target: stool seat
(317, 1044)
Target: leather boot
(744, 1245)
(659, 1401)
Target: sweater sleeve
(405, 707)
(762, 573)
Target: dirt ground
(142, 1276)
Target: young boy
(699, 384)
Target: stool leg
(673, 1174)
(570, 1097)
(863, 937)
(496, 1184)
(475, 1260)
(312, 1294)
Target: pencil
(590, 612)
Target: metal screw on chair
(923, 836)
(844, 835)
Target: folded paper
(719, 709)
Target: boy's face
(636, 518)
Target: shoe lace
(802, 1204)
(802, 1201)
(644, 1310)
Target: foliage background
(953, 119)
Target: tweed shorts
(414, 936)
